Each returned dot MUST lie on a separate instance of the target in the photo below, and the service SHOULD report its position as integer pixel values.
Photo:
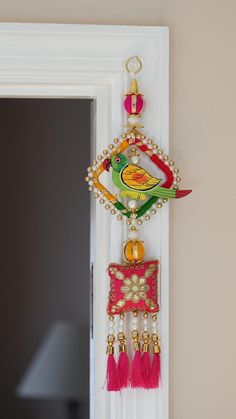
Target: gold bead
(113, 211)
(150, 141)
(90, 188)
(111, 338)
(124, 135)
(107, 206)
(122, 316)
(145, 336)
(175, 187)
(111, 146)
(94, 162)
(99, 157)
(164, 200)
(105, 152)
(153, 211)
(133, 228)
(154, 317)
(139, 222)
(143, 136)
(116, 140)
(165, 158)
(119, 217)
(96, 195)
(121, 336)
(89, 169)
(111, 317)
(147, 217)
(171, 163)
(159, 205)
(87, 178)
(145, 315)
(178, 179)
(101, 201)
(160, 152)
(176, 170)
(128, 222)
(155, 146)
(135, 313)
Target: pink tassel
(112, 377)
(146, 369)
(155, 371)
(135, 371)
(123, 369)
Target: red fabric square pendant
(133, 287)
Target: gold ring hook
(134, 59)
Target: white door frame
(87, 61)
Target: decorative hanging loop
(134, 282)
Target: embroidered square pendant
(133, 287)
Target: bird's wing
(137, 178)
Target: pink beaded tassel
(112, 377)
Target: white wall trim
(86, 61)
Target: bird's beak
(107, 164)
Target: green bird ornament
(130, 178)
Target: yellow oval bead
(134, 251)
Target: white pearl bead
(133, 119)
(145, 328)
(154, 324)
(134, 159)
(135, 320)
(132, 204)
(133, 235)
(120, 329)
(144, 141)
(121, 322)
(145, 322)
(111, 324)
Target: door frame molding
(87, 61)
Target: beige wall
(203, 141)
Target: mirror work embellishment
(137, 193)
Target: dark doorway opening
(45, 218)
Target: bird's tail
(170, 193)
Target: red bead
(134, 103)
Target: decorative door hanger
(137, 195)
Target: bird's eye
(117, 160)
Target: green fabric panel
(122, 208)
(145, 207)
